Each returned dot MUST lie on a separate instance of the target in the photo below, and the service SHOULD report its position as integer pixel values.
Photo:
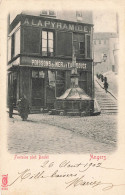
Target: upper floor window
(48, 13)
(13, 46)
(52, 13)
(99, 41)
(79, 44)
(9, 49)
(94, 42)
(47, 43)
(79, 15)
(44, 12)
(82, 47)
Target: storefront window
(60, 83)
(51, 88)
(83, 80)
(41, 74)
(51, 76)
(38, 74)
(47, 43)
(35, 74)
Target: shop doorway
(38, 92)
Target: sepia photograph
(62, 97)
(62, 89)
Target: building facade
(40, 57)
(105, 44)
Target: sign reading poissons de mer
(56, 64)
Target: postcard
(62, 96)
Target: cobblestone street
(44, 133)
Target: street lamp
(104, 58)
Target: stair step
(105, 101)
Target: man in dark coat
(11, 107)
(23, 108)
(106, 86)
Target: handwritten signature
(80, 182)
(75, 179)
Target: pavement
(53, 134)
(43, 133)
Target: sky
(104, 21)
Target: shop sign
(55, 64)
(59, 25)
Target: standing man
(11, 107)
(23, 108)
(106, 86)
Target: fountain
(74, 101)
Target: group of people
(22, 105)
(103, 79)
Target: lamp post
(104, 58)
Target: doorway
(38, 92)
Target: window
(44, 12)
(47, 43)
(99, 41)
(94, 42)
(79, 15)
(13, 46)
(86, 29)
(37, 74)
(9, 49)
(31, 40)
(82, 80)
(48, 13)
(60, 82)
(82, 47)
(52, 13)
(79, 44)
(17, 42)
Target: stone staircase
(107, 103)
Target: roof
(74, 93)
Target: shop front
(40, 53)
(43, 80)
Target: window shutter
(31, 40)
(64, 44)
(88, 50)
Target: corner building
(40, 57)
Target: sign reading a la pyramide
(53, 24)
